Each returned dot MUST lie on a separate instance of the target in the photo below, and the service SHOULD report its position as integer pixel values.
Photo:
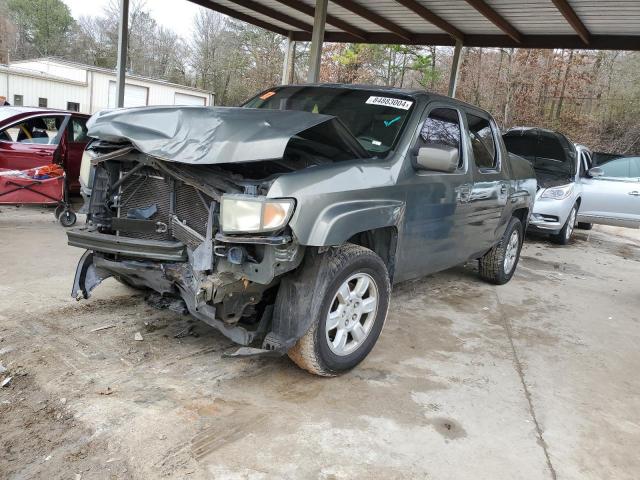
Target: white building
(53, 83)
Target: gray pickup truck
(284, 223)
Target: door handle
(635, 193)
(503, 189)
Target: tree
(424, 64)
(43, 27)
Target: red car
(31, 137)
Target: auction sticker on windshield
(390, 102)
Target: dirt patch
(42, 439)
(541, 264)
(627, 251)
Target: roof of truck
(412, 92)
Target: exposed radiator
(190, 209)
(142, 190)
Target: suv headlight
(86, 168)
(249, 214)
(558, 193)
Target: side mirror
(595, 172)
(440, 158)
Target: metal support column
(317, 38)
(455, 69)
(123, 42)
(289, 63)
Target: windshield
(376, 119)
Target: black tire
(585, 226)
(312, 351)
(492, 264)
(564, 236)
(58, 211)
(67, 218)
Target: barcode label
(390, 102)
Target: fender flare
(339, 222)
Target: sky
(175, 14)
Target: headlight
(248, 214)
(85, 170)
(558, 193)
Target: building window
(73, 106)
(42, 102)
(18, 100)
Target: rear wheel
(498, 264)
(67, 218)
(585, 226)
(564, 236)
(58, 211)
(354, 288)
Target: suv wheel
(354, 291)
(585, 226)
(498, 264)
(564, 236)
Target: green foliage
(423, 64)
(43, 26)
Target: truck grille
(149, 187)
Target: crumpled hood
(207, 135)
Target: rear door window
(482, 142)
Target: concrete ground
(537, 379)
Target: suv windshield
(376, 119)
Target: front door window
(36, 130)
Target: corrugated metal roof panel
(461, 15)
(609, 17)
(353, 19)
(281, 8)
(532, 17)
(615, 23)
(400, 15)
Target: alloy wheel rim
(511, 252)
(352, 314)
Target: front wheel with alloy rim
(499, 264)
(352, 290)
(564, 236)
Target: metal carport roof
(592, 24)
(579, 24)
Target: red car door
(31, 142)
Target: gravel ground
(536, 379)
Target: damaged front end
(180, 205)
(156, 225)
